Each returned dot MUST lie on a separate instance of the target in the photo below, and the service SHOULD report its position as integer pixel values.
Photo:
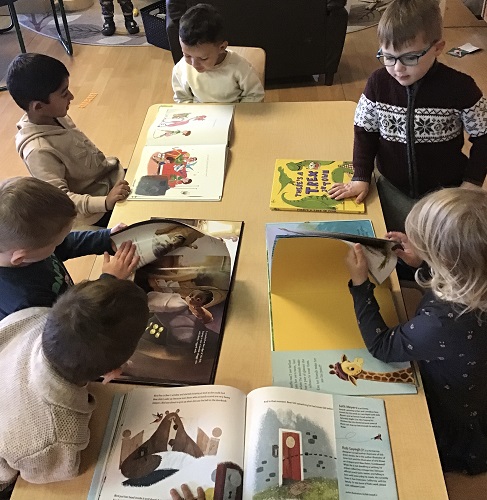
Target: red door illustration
(290, 454)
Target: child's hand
(123, 263)
(118, 192)
(359, 189)
(407, 252)
(357, 265)
(200, 494)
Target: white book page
(288, 432)
(180, 173)
(178, 435)
(191, 124)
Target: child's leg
(128, 11)
(107, 13)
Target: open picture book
(185, 154)
(275, 443)
(187, 268)
(316, 342)
(303, 185)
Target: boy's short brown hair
(404, 20)
(94, 328)
(32, 213)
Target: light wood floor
(129, 79)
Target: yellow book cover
(303, 185)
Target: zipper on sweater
(411, 153)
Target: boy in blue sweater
(35, 238)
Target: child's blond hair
(448, 229)
(32, 213)
(404, 20)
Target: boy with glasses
(411, 118)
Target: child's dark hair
(94, 328)
(201, 24)
(33, 77)
(32, 213)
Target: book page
(289, 445)
(358, 227)
(169, 436)
(154, 239)
(191, 125)
(341, 371)
(304, 445)
(381, 260)
(364, 457)
(188, 290)
(312, 310)
(180, 173)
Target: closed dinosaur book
(304, 184)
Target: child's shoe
(108, 27)
(131, 25)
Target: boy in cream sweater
(208, 72)
(51, 146)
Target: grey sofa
(300, 37)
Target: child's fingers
(134, 263)
(106, 258)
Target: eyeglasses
(409, 59)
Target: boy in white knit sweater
(48, 357)
(208, 72)
(51, 146)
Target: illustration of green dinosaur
(313, 202)
(293, 166)
(339, 173)
(284, 179)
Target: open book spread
(304, 184)
(185, 154)
(275, 443)
(316, 341)
(187, 271)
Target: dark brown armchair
(299, 38)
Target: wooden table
(263, 132)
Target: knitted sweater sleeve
(474, 119)
(366, 133)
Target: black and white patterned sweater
(416, 133)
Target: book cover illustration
(202, 124)
(313, 322)
(165, 438)
(299, 445)
(303, 185)
(188, 283)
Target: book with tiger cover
(304, 184)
